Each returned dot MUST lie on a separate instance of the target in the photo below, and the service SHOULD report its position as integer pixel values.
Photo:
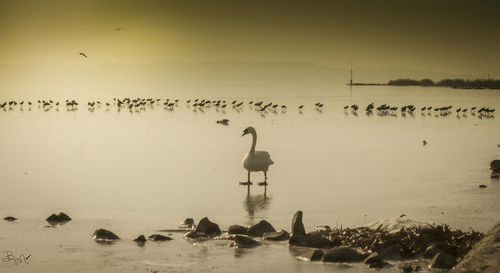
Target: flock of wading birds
(143, 104)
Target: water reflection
(256, 203)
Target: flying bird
(83, 54)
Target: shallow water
(134, 173)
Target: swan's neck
(254, 141)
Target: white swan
(255, 161)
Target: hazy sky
(445, 36)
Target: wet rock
(207, 227)
(391, 252)
(159, 238)
(312, 255)
(495, 165)
(237, 229)
(482, 186)
(196, 235)
(495, 176)
(310, 240)
(408, 268)
(104, 235)
(297, 225)
(342, 255)
(281, 235)
(431, 251)
(187, 224)
(140, 239)
(443, 260)
(243, 241)
(10, 218)
(260, 228)
(61, 217)
(375, 261)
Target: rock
(495, 165)
(237, 229)
(159, 238)
(392, 252)
(61, 217)
(104, 235)
(375, 261)
(312, 255)
(140, 239)
(207, 227)
(10, 218)
(243, 241)
(482, 186)
(281, 235)
(322, 229)
(297, 225)
(260, 228)
(495, 176)
(310, 240)
(342, 255)
(196, 235)
(443, 260)
(188, 223)
(431, 251)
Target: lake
(141, 171)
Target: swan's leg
(248, 181)
(265, 180)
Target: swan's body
(256, 161)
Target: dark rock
(310, 240)
(140, 239)
(495, 176)
(188, 223)
(375, 261)
(237, 229)
(61, 217)
(207, 227)
(281, 235)
(342, 255)
(104, 235)
(243, 241)
(196, 235)
(443, 260)
(10, 218)
(260, 228)
(482, 186)
(159, 238)
(431, 251)
(392, 252)
(53, 218)
(297, 225)
(312, 255)
(495, 165)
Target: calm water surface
(134, 173)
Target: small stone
(10, 218)
(443, 260)
(188, 223)
(53, 218)
(342, 255)
(260, 228)
(297, 225)
(140, 239)
(281, 235)
(312, 255)
(494, 176)
(104, 235)
(63, 217)
(208, 227)
(243, 241)
(482, 186)
(237, 229)
(159, 238)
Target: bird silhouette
(83, 54)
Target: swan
(255, 161)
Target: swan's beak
(243, 134)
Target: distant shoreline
(452, 83)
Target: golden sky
(444, 36)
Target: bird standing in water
(255, 161)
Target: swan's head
(248, 130)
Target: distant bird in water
(301, 107)
(255, 161)
(83, 54)
(118, 29)
(424, 142)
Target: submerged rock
(10, 218)
(375, 261)
(104, 235)
(297, 225)
(243, 241)
(312, 255)
(159, 238)
(140, 239)
(495, 165)
(342, 255)
(281, 235)
(196, 235)
(260, 228)
(187, 224)
(443, 260)
(207, 227)
(61, 217)
(237, 229)
(310, 240)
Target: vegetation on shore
(453, 83)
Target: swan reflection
(255, 204)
